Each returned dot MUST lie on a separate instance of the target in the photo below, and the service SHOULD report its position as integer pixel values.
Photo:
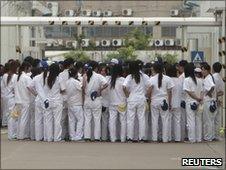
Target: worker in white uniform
(135, 87)
(36, 87)
(75, 105)
(103, 70)
(219, 86)
(161, 97)
(210, 105)
(8, 99)
(93, 85)
(23, 99)
(117, 100)
(181, 66)
(63, 77)
(193, 98)
(175, 112)
(53, 104)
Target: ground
(71, 155)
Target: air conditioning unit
(69, 13)
(116, 42)
(127, 12)
(151, 43)
(53, 7)
(68, 44)
(174, 13)
(55, 43)
(178, 42)
(105, 43)
(74, 44)
(86, 13)
(97, 43)
(96, 13)
(85, 43)
(159, 43)
(107, 13)
(49, 44)
(60, 42)
(169, 42)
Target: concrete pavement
(71, 155)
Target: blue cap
(43, 64)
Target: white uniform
(183, 111)
(175, 113)
(63, 77)
(194, 118)
(93, 108)
(53, 114)
(208, 117)
(23, 99)
(219, 86)
(75, 109)
(117, 98)
(136, 105)
(7, 105)
(37, 85)
(158, 95)
(105, 113)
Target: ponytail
(158, 69)
(160, 80)
(24, 67)
(44, 76)
(89, 73)
(54, 71)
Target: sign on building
(197, 56)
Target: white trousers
(194, 121)
(4, 110)
(133, 109)
(183, 124)
(12, 122)
(113, 114)
(104, 124)
(208, 122)
(76, 122)
(23, 122)
(175, 124)
(32, 121)
(96, 114)
(64, 121)
(52, 123)
(156, 112)
(39, 121)
(217, 123)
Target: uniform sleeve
(32, 84)
(62, 82)
(186, 85)
(170, 83)
(78, 85)
(146, 80)
(208, 84)
(28, 81)
(126, 81)
(102, 80)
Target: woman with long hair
(23, 100)
(93, 85)
(135, 88)
(193, 88)
(117, 100)
(53, 104)
(75, 105)
(209, 103)
(160, 97)
(8, 99)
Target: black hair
(24, 66)
(183, 63)
(116, 72)
(171, 71)
(54, 71)
(207, 67)
(73, 73)
(68, 62)
(189, 71)
(92, 66)
(12, 70)
(158, 68)
(36, 62)
(29, 59)
(140, 63)
(79, 65)
(135, 71)
(217, 67)
(35, 71)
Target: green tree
(79, 38)
(170, 58)
(127, 53)
(77, 55)
(137, 39)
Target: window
(168, 31)
(60, 31)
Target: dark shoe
(87, 139)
